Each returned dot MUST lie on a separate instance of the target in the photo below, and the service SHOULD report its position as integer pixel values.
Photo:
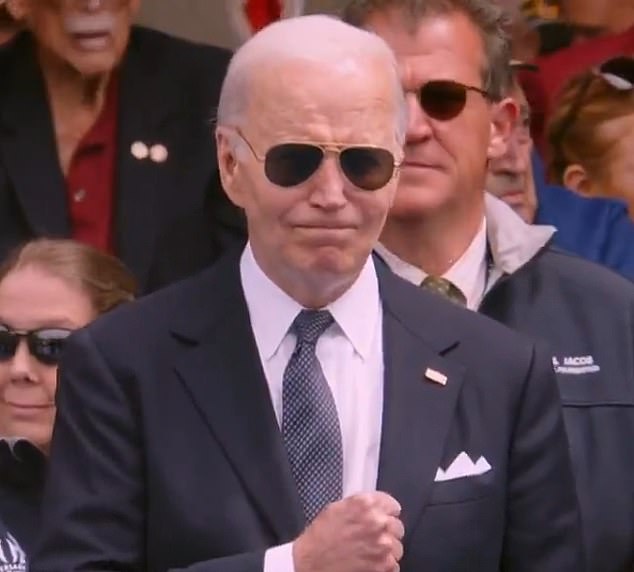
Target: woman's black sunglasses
(45, 344)
(443, 99)
(289, 164)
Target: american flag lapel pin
(435, 376)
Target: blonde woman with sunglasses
(48, 289)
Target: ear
(576, 178)
(17, 9)
(504, 115)
(228, 165)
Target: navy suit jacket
(168, 93)
(167, 455)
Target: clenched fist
(361, 533)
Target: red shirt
(90, 180)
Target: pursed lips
(26, 405)
(416, 164)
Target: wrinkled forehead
(346, 101)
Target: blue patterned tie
(310, 425)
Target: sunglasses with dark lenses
(616, 72)
(45, 344)
(443, 99)
(367, 167)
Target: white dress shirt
(469, 272)
(350, 352)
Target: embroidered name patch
(575, 365)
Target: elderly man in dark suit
(297, 407)
(445, 229)
(105, 131)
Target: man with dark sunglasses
(298, 407)
(445, 230)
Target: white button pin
(139, 150)
(158, 153)
(435, 376)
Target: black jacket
(586, 314)
(22, 475)
(168, 92)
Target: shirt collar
(513, 243)
(272, 311)
(464, 273)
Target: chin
(413, 202)
(94, 65)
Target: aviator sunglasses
(367, 167)
(45, 344)
(444, 99)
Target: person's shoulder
(555, 200)
(186, 56)
(581, 277)
(444, 323)
(12, 54)
(204, 296)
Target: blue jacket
(595, 229)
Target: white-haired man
(297, 407)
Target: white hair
(318, 38)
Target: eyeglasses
(367, 167)
(444, 99)
(45, 344)
(617, 72)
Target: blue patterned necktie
(310, 425)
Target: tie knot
(310, 324)
(445, 288)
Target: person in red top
(104, 130)
(613, 21)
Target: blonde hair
(104, 278)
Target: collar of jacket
(22, 464)
(512, 241)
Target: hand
(361, 533)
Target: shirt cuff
(279, 559)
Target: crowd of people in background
(357, 297)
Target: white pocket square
(462, 466)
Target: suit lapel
(224, 377)
(417, 411)
(29, 149)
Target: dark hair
(491, 21)
(104, 278)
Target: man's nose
(418, 124)
(93, 5)
(517, 156)
(22, 364)
(329, 184)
